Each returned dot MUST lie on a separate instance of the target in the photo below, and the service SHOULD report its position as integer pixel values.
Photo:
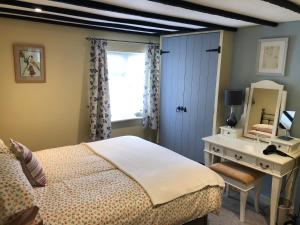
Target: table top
(294, 141)
(250, 147)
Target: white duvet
(164, 174)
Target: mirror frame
(271, 85)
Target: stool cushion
(237, 172)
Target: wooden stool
(242, 178)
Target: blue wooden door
(172, 84)
(199, 93)
(194, 88)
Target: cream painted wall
(54, 113)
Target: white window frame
(133, 118)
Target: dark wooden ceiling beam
(74, 20)
(285, 4)
(40, 20)
(215, 11)
(71, 12)
(133, 12)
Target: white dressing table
(249, 153)
(264, 103)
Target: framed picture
(29, 63)
(272, 56)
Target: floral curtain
(99, 105)
(151, 91)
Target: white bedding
(164, 174)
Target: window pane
(126, 84)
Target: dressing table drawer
(237, 156)
(281, 147)
(216, 149)
(231, 132)
(265, 165)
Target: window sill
(125, 123)
(125, 120)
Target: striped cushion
(30, 164)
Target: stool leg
(257, 194)
(243, 202)
(227, 190)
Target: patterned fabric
(3, 148)
(151, 89)
(100, 117)
(98, 193)
(81, 162)
(31, 166)
(26, 216)
(16, 193)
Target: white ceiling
(106, 13)
(149, 6)
(255, 8)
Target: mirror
(286, 120)
(285, 125)
(263, 109)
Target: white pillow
(263, 128)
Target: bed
(86, 188)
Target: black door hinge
(214, 50)
(163, 52)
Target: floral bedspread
(83, 188)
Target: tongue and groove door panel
(172, 79)
(188, 78)
(199, 93)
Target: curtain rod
(135, 42)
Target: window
(126, 84)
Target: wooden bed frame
(199, 221)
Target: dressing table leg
(257, 194)
(275, 193)
(208, 159)
(289, 190)
(227, 189)
(243, 203)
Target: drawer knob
(264, 166)
(238, 157)
(216, 149)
